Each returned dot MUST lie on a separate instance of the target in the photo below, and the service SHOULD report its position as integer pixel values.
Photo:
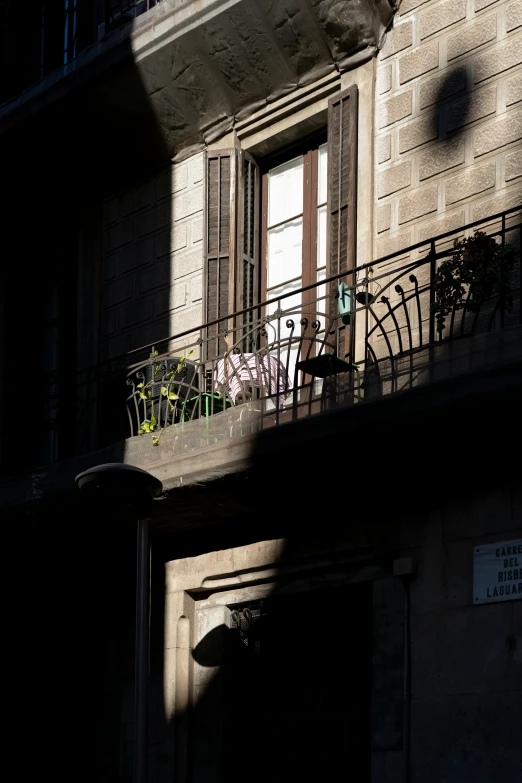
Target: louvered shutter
(342, 179)
(220, 245)
(342, 188)
(248, 243)
(232, 244)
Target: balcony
(347, 341)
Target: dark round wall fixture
(120, 483)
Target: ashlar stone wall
(153, 259)
(448, 118)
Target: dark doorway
(298, 677)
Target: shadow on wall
(451, 105)
(293, 700)
(69, 623)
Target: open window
(278, 225)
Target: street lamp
(127, 485)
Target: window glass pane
(284, 252)
(321, 237)
(290, 302)
(285, 191)
(322, 164)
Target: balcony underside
(220, 477)
(196, 68)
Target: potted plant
(476, 270)
(145, 393)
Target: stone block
(185, 263)
(135, 313)
(187, 203)
(117, 236)
(153, 220)
(420, 202)
(384, 79)
(180, 176)
(473, 107)
(513, 15)
(155, 276)
(397, 39)
(445, 155)
(383, 217)
(387, 245)
(512, 197)
(187, 318)
(393, 179)
(513, 165)
(119, 291)
(514, 90)
(196, 289)
(481, 4)
(384, 149)
(110, 267)
(417, 132)
(179, 236)
(470, 182)
(498, 58)
(152, 333)
(196, 229)
(442, 86)
(196, 168)
(136, 199)
(164, 183)
(137, 254)
(497, 134)
(170, 299)
(162, 244)
(173, 611)
(178, 296)
(471, 36)
(395, 109)
(440, 16)
(440, 226)
(409, 5)
(422, 60)
(110, 322)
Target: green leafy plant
(144, 392)
(476, 270)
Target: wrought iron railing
(368, 332)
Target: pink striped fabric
(239, 372)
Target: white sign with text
(497, 572)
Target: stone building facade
(313, 604)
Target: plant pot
(364, 297)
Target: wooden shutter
(232, 242)
(220, 245)
(248, 241)
(342, 195)
(342, 180)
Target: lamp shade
(121, 484)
